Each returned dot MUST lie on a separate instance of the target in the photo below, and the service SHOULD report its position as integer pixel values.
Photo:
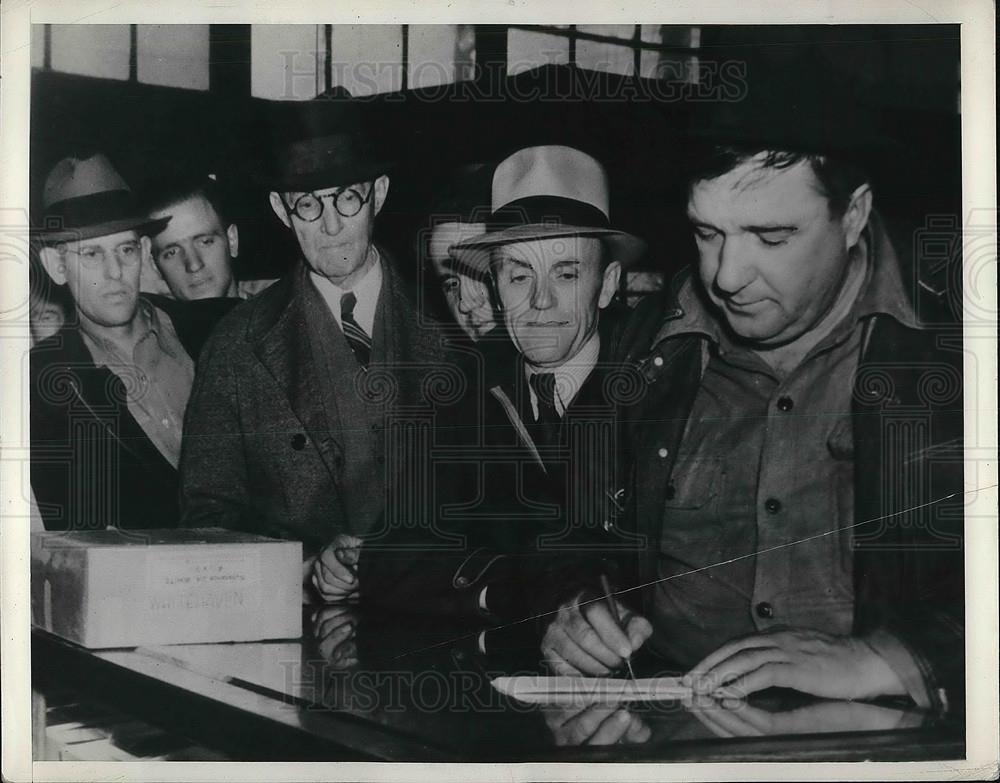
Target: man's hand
(834, 667)
(596, 724)
(334, 628)
(585, 639)
(736, 718)
(333, 573)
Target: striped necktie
(357, 338)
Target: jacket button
(298, 441)
(662, 453)
(772, 505)
(462, 581)
(658, 361)
(764, 610)
(785, 404)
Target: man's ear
(54, 263)
(609, 285)
(279, 209)
(233, 235)
(859, 209)
(381, 191)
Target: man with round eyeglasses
(291, 421)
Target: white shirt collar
(570, 375)
(367, 291)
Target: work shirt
(157, 377)
(757, 521)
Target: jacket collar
(688, 312)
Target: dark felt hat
(321, 143)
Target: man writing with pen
(799, 530)
(527, 468)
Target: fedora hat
(87, 198)
(546, 192)
(321, 144)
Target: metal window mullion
(328, 56)
(636, 50)
(133, 52)
(405, 57)
(47, 47)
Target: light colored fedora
(546, 192)
(83, 199)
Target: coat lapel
(101, 393)
(281, 332)
(410, 344)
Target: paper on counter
(590, 690)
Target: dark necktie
(545, 431)
(543, 384)
(357, 338)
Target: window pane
(671, 34)
(526, 50)
(37, 46)
(667, 67)
(625, 31)
(652, 33)
(91, 49)
(173, 55)
(367, 58)
(440, 54)
(605, 57)
(285, 63)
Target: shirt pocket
(840, 442)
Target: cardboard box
(126, 588)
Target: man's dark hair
(181, 189)
(837, 178)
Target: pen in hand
(613, 607)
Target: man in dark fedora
(292, 424)
(109, 388)
(793, 474)
(536, 434)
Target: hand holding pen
(612, 604)
(593, 635)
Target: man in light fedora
(109, 389)
(537, 434)
(291, 425)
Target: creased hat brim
(285, 182)
(474, 252)
(141, 224)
